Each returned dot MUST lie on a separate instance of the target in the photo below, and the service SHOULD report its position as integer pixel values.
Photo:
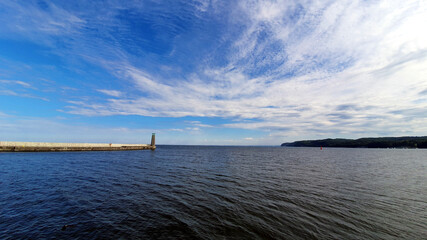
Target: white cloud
(25, 95)
(33, 21)
(176, 130)
(298, 68)
(24, 84)
(4, 115)
(199, 124)
(301, 106)
(113, 93)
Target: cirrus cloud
(290, 68)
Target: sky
(212, 72)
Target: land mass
(381, 142)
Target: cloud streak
(24, 84)
(113, 93)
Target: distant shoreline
(379, 142)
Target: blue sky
(212, 72)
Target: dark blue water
(215, 193)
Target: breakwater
(69, 147)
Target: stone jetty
(65, 147)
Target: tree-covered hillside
(383, 142)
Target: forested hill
(383, 142)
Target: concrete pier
(60, 147)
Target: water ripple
(184, 192)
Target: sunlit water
(215, 193)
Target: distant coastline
(380, 142)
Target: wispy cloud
(25, 95)
(3, 115)
(24, 84)
(113, 93)
(199, 124)
(18, 89)
(289, 68)
(37, 18)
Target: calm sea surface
(215, 193)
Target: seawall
(59, 147)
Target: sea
(215, 192)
